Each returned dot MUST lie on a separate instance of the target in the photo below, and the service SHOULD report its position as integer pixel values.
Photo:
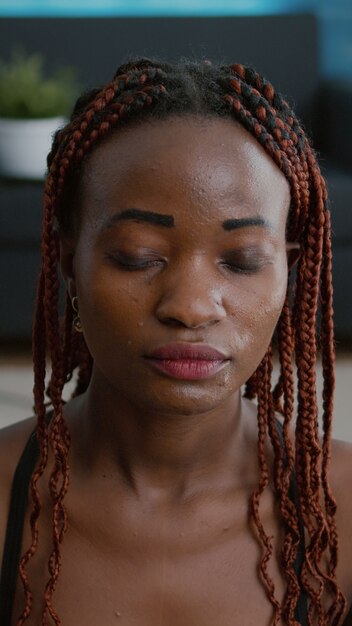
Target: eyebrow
(159, 219)
(245, 221)
(138, 215)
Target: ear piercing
(76, 322)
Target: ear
(67, 253)
(293, 251)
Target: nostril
(172, 321)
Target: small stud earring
(76, 322)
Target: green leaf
(27, 93)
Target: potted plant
(32, 107)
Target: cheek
(255, 310)
(110, 307)
(106, 303)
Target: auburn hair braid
(287, 508)
(262, 378)
(39, 388)
(46, 316)
(327, 339)
(311, 275)
(147, 88)
(59, 435)
(284, 388)
(327, 348)
(328, 376)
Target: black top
(14, 531)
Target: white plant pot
(24, 146)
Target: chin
(184, 400)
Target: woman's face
(181, 241)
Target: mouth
(188, 361)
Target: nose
(191, 297)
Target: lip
(187, 361)
(188, 351)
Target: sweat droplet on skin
(140, 323)
(129, 342)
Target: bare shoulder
(12, 442)
(340, 474)
(340, 481)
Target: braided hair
(145, 89)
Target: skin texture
(161, 469)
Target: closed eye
(246, 262)
(134, 263)
(243, 268)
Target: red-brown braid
(264, 407)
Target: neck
(162, 453)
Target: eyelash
(236, 269)
(132, 266)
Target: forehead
(201, 165)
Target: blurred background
(50, 50)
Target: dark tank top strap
(301, 612)
(14, 529)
